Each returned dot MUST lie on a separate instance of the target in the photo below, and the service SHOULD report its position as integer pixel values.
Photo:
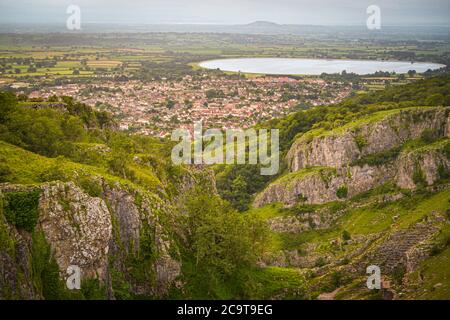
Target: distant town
(157, 107)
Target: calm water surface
(315, 66)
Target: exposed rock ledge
(375, 133)
(320, 185)
(87, 231)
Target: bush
(447, 151)
(320, 262)
(443, 173)
(346, 235)
(361, 142)
(4, 172)
(428, 136)
(379, 158)
(398, 273)
(342, 192)
(45, 270)
(22, 209)
(90, 186)
(419, 177)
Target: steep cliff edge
(372, 134)
(405, 146)
(120, 235)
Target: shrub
(320, 262)
(443, 172)
(346, 235)
(342, 192)
(55, 172)
(379, 158)
(45, 269)
(22, 209)
(398, 273)
(361, 142)
(90, 186)
(428, 136)
(336, 279)
(419, 177)
(447, 151)
(4, 172)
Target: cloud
(326, 12)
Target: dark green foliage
(220, 242)
(415, 94)
(380, 158)
(443, 172)
(419, 177)
(360, 142)
(398, 273)
(428, 136)
(4, 171)
(342, 192)
(120, 286)
(346, 235)
(50, 131)
(320, 262)
(447, 151)
(336, 279)
(90, 186)
(92, 289)
(8, 102)
(238, 183)
(45, 269)
(141, 264)
(21, 209)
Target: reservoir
(293, 66)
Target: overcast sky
(319, 12)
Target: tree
(8, 101)
(219, 239)
(411, 73)
(73, 129)
(239, 193)
(44, 136)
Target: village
(157, 107)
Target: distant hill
(263, 24)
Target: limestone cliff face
(311, 182)
(99, 233)
(90, 231)
(376, 133)
(77, 226)
(322, 186)
(422, 165)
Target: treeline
(219, 247)
(50, 131)
(238, 184)
(429, 92)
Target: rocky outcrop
(376, 133)
(97, 234)
(420, 165)
(405, 248)
(345, 177)
(322, 185)
(78, 228)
